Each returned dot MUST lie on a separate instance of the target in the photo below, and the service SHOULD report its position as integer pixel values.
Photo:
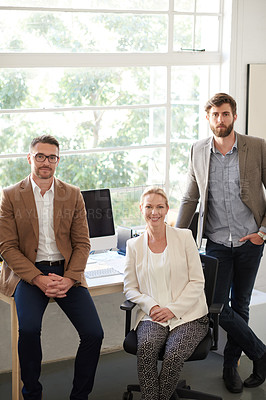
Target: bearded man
(227, 177)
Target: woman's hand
(161, 314)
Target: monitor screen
(100, 218)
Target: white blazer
(187, 279)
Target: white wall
(247, 47)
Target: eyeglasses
(52, 158)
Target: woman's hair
(154, 190)
(218, 100)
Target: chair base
(183, 391)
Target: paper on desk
(111, 259)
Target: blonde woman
(163, 275)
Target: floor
(118, 369)
(260, 283)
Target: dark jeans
(238, 267)
(31, 303)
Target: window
(122, 85)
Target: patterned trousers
(179, 344)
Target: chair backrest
(194, 225)
(210, 269)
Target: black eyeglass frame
(44, 157)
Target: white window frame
(169, 60)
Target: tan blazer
(252, 169)
(187, 279)
(19, 233)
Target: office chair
(194, 225)
(210, 342)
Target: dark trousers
(238, 267)
(78, 305)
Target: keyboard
(99, 273)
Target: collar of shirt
(214, 150)
(36, 187)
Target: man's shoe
(232, 380)
(259, 373)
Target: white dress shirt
(159, 275)
(47, 248)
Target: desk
(105, 285)
(97, 287)
(16, 382)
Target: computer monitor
(100, 219)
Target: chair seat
(200, 353)
(130, 342)
(203, 348)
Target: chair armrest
(215, 311)
(216, 308)
(127, 305)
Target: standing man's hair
(44, 139)
(218, 100)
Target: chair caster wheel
(127, 396)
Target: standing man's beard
(224, 132)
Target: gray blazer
(252, 169)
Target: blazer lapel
(206, 162)
(144, 270)
(242, 156)
(29, 203)
(59, 195)
(202, 164)
(172, 259)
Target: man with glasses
(44, 242)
